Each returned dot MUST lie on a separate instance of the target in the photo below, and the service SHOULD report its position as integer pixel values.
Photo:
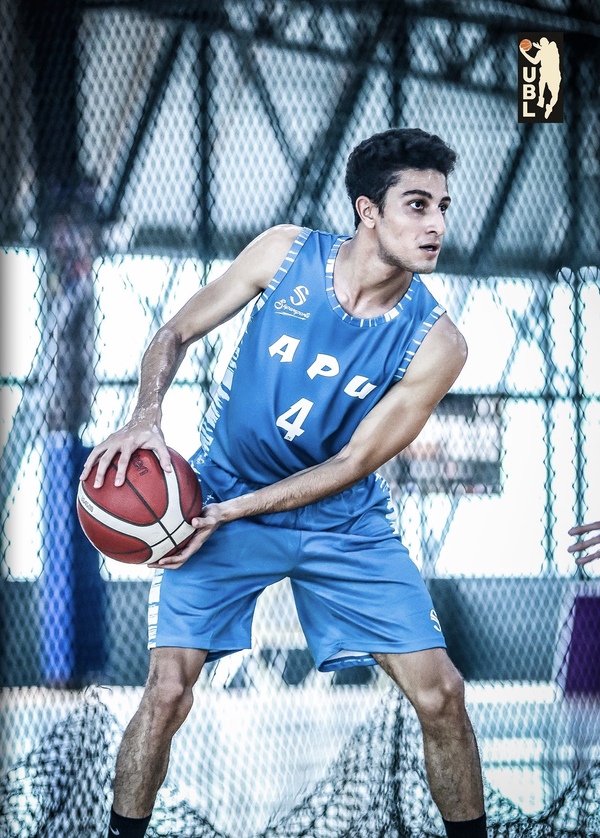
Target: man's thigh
(419, 673)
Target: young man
(344, 359)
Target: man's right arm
(211, 306)
(532, 59)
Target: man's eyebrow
(425, 194)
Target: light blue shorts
(355, 587)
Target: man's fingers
(170, 563)
(581, 560)
(581, 529)
(162, 454)
(95, 456)
(177, 559)
(88, 465)
(122, 464)
(103, 464)
(160, 449)
(195, 543)
(584, 545)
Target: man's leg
(435, 689)
(542, 91)
(143, 757)
(554, 88)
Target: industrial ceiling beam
(508, 17)
(158, 84)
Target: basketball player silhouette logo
(548, 58)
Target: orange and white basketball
(146, 518)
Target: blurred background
(143, 144)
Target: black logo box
(532, 75)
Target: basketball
(526, 44)
(148, 517)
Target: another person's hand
(586, 543)
(138, 433)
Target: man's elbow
(169, 339)
(355, 464)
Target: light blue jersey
(303, 376)
(305, 373)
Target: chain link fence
(143, 145)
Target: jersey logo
(283, 307)
(299, 295)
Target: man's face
(412, 222)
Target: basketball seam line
(149, 508)
(168, 536)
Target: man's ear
(366, 209)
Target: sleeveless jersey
(306, 372)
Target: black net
(143, 144)
(377, 787)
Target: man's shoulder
(280, 236)
(267, 252)
(261, 258)
(446, 337)
(283, 235)
(439, 359)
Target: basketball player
(585, 544)
(548, 58)
(344, 359)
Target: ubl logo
(540, 78)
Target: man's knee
(169, 689)
(443, 701)
(431, 683)
(169, 696)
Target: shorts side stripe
(153, 603)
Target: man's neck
(364, 285)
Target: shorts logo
(435, 620)
(540, 94)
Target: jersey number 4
(292, 419)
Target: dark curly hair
(374, 166)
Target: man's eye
(417, 204)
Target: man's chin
(427, 267)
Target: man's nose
(437, 223)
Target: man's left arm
(392, 424)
